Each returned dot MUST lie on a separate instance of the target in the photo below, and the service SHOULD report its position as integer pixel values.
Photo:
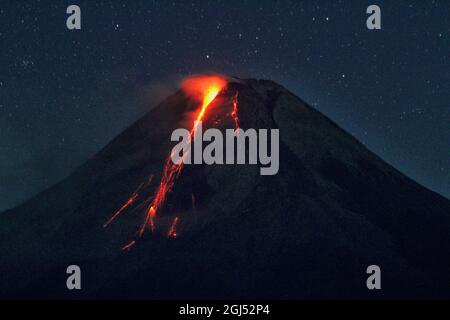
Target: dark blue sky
(65, 94)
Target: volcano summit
(225, 231)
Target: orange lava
(129, 246)
(126, 205)
(205, 89)
(234, 112)
(173, 228)
(129, 202)
(200, 88)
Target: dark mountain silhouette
(310, 231)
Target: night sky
(65, 94)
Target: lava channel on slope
(205, 89)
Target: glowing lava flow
(234, 112)
(129, 246)
(208, 88)
(173, 228)
(201, 88)
(129, 202)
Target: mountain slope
(308, 232)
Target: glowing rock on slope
(203, 88)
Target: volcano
(225, 231)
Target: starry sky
(65, 94)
